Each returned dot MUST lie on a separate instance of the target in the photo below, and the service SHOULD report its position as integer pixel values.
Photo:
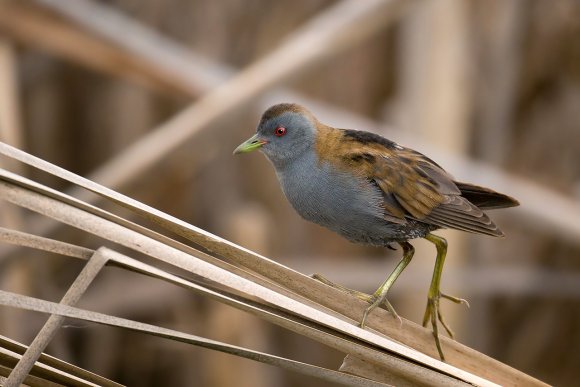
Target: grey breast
(346, 204)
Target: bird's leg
(380, 296)
(432, 312)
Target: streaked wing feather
(411, 182)
(460, 214)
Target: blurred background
(490, 90)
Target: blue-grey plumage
(345, 203)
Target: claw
(457, 300)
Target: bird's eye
(280, 131)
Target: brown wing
(413, 186)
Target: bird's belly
(348, 205)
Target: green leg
(432, 312)
(380, 296)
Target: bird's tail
(485, 198)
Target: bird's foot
(373, 300)
(433, 314)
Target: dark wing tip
(485, 198)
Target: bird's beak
(250, 144)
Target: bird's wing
(413, 185)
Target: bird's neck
(298, 161)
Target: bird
(373, 191)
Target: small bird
(373, 191)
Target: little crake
(371, 190)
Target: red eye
(280, 131)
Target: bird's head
(284, 133)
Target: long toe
(431, 315)
(360, 295)
(456, 300)
(376, 302)
(440, 318)
(390, 308)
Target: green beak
(251, 144)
